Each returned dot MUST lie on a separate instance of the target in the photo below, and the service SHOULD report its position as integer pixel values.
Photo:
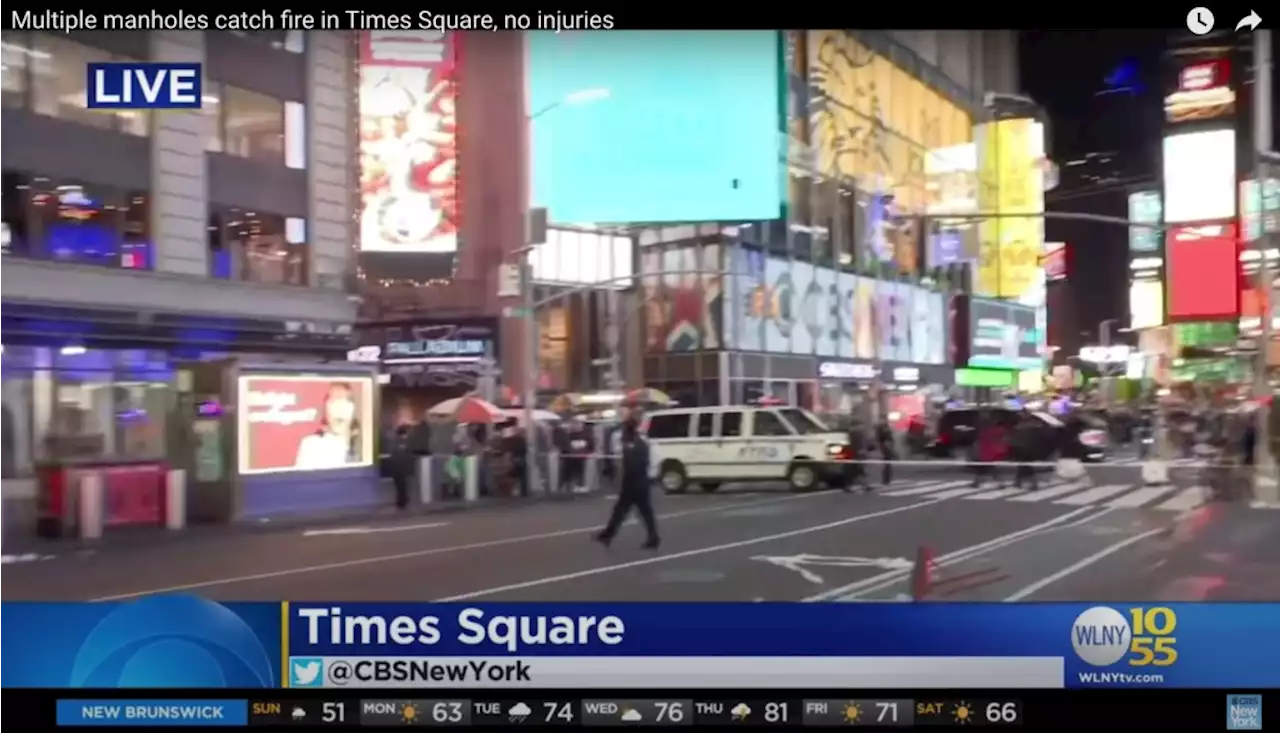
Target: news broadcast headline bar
(651, 672)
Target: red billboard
(305, 422)
(1203, 267)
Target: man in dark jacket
(885, 444)
(401, 463)
(633, 488)
(1025, 444)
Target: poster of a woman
(305, 422)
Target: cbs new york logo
(1103, 636)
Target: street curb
(133, 539)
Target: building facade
(136, 239)
(838, 300)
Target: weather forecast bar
(676, 672)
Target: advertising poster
(1259, 208)
(1054, 260)
(866, 334)
(1200, 176)
(921, 332)
(1011, 181)
(1146, 303)
(780, 327)
(938, 334)
(1203, 263)
(1145, 207)
(305, 422)
(747, 308)
(711, 155)
(408, 141)
(808, 302)
(894, 321)
(821, 306)
(846, 324)
(684, 304)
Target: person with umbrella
(634, 486)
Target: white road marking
(1049, 493)
(687, 553)
(924, 489)
(1185, 500)
(344, 531)
(25, 557)
(1096, 494)
(437, 550)
(997, 494)
(884, 580)
(1081, 565)
(955, 493)
(1140, 497)
(798, 563)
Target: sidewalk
(26, 546)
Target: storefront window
(65, 220)
(253, 125)
(82, 404)
(17, 69)
(57, 81)
(257, 246)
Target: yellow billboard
(1011, 181)
(873, 124)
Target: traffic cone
(922, 573)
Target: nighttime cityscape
(843, 315)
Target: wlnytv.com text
(1120, 678)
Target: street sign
(509, 280)
(514, 312)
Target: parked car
(1078, 436)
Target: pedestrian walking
(989, 449)
(1026, 443)
(858, 466)
(402, 463)
(888, 450)
(634, 488)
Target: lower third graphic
(1244, 712)
(306, 672)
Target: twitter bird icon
(305, 672)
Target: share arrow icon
(1250, 21)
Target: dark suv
(957, 430)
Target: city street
(1067, 540)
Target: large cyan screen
(1200, 176)
(690, 128)
(1204, 272)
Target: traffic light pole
(1265, 487)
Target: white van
(714, 445)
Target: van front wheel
(673, 478)
(802, 476)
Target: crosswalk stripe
(1049, 493)
(916, 490)
(954, 493)
(1186, 499)
(1096, 494)
(997, 494)
(1140, 497)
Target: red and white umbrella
(469, 409)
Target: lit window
(58, 85)
(69, 221)
(211, 108)
(295, 135)
(17, 66)
(258, 247)
(291, 41)
(253, 124)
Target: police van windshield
(804, 422)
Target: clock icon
(1200, 21)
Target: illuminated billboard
(293, 422)
(1146, 303)
(691, 132)
(1012, 182)
(1204, 93)
(1200, 176)
(408, 142)
(1144, 207)
(1054, 260)
(1203, 264)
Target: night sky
(1102, 92)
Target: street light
(574, 98)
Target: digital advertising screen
(1145, 207)
(1203, 265)
(1054, 260)
(408, 142)
(1009, 157)
(1200, 176)
(1003, 335)
(1146, 303)
(305, 422)
(657, 126)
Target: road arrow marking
(798, 563)
(344, 531)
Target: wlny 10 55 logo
(1103, 636)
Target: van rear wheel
(672, 477)
(802, 476)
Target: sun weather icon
(962, 713)
(852, 712)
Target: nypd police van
(710, 446)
